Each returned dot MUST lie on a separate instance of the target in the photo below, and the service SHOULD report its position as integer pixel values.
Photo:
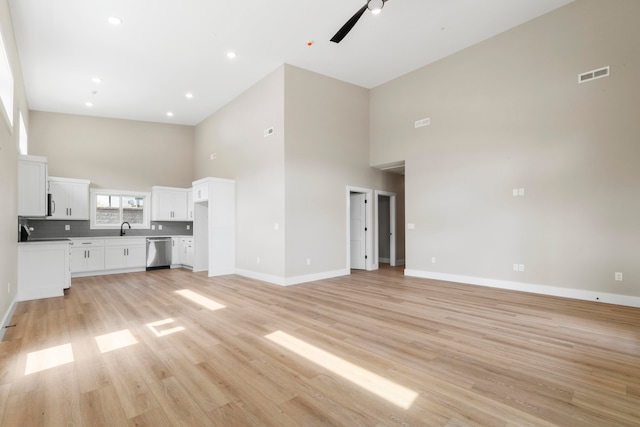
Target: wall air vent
(594, 74)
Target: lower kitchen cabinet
(87, 255)
(176, 259)
(186, 252)
(43, 270)
(119, 254)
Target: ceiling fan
(375, 6)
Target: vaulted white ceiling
(166, 48)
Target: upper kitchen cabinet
(169, 204)
(32, 186)
(190, 204)
(200, 191)
(69, 198)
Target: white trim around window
(119, 203)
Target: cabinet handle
(88, 254)
(70, 214)
(53, 206)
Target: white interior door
(357, 227)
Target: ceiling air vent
(594, 74)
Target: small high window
(6, 84)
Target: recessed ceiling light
(188, 95)
(96, 80)
(169, 114)
(89, 104)
(114, 20)
(231, 55)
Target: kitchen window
(6, 84)
(110, 208)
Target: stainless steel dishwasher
(158, 252)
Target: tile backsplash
(52, 229)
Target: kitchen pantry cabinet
(87, 255)
(125, 253)
(70, 198)
(169, 204)
(32, 186)
(214, 226)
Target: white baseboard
(288, 281)
(384, 260)
(399, 262)
(7, 317)
(626, 300)
(107, 272)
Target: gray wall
(508, 113)
(113, 153)
(235, 134)
(295, 178)
(326, 150)
(9, 173)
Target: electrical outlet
(520, 191)
(308, 261)
(618, 276)
(188, 227)
(520, 267)
(67, 227)
(258, 260)
(159, 226)
(153, 226)
(515, 267)
(433, 260)
(276, 226)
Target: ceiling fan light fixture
(375, 6)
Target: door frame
(368, 223)
(392, 227)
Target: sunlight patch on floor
(115, 340)
(160, 330)
(199, 299)
(48, 358)
(380, 386)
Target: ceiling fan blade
(342, 32)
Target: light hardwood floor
(446, 354)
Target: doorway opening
(359, 229)
(385, 228)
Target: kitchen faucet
(122, 229)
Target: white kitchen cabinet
(87, 255)
(130, 253)
(70, 198)
(43, 269)
(186, 252)
(176, 259)
(32, 186)
(190, 205)
(169, 204)
(200, 191)
(214, 227)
